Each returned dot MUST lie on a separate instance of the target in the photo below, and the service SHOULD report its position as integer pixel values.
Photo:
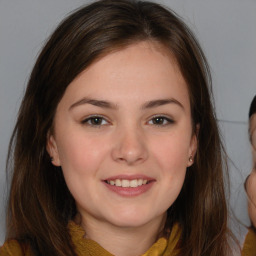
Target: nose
(130, 147)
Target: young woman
(116, 150)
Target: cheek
(254, 139)
(172, 153)
(81, 158)
(172, 162)
(81, 154)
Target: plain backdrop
(226, 31)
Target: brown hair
(252, 109)
(40, 203)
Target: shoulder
(249, 247)
(14, 248)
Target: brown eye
(158, 120)
(161, 121)
(95, 121)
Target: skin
(128, 140)
(251, 182)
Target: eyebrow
(161, 102)
(94, 102)
(109, 105)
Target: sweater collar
(84, 246)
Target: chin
(132, 219)
(129, 223)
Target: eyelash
(88, 121)
(165, 121)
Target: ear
(193, 146)
(52, 150)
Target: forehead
(149, 46)
(136, 59)
(140, 72)
(156, 53)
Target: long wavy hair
(40, 204)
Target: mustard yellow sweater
(83, 247)
(249, 248)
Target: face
(123, 136)
(252, 131)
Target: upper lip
(130, 177)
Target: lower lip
(130, 192)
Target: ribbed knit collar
(84, 246)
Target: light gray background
(226, 30)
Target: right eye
(95, 121)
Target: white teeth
(134, 183)
(118, 183)
(127, 183)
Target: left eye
(160, 120)
(95, 121)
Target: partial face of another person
(123, 136)
(251, 182)
(252, 130)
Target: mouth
(125, 183)
(129, 186)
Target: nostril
(129, 150)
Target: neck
(123, 241)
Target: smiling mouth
(127, 183)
